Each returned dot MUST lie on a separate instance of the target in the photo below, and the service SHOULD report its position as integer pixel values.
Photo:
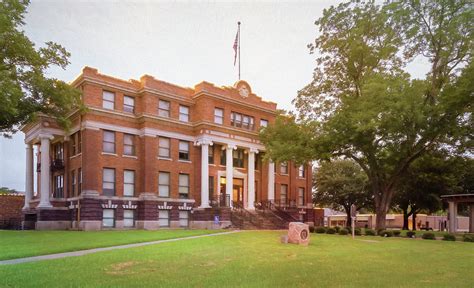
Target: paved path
(95, 250)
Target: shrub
(380, 231)
(468, 237)
(320, 230)
(357, 231)
(369, 232)
(331, 230)
(385, 233)
(337, 228)
(449, 237)
(396, 233)
(428, 236)
(411, 234)
(311, 229)
(343, 231)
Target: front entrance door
(238, 192)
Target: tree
(339, 184)
(363, 106)
(24, 89)
(6, 190)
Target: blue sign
(216, 219)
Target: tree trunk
(381, 214)
(349, 218)
(405, 219)
(413, 221)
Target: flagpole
(239, 48)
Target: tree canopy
(24, 88)
(340, 184)
(364, 106)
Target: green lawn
(17, 244)
(258, 259)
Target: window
(223, 157)
(128, 218)
(211, 155)
(183, 150)
(164, 108)
(183, 186)
(263, 123)
(164, 147)
(108, 182)
(73, 183)
(108, 218)
(164, 218)
(58, 151)
(79, 181)
(108, 142)
(284, 168)
(183, 113)
(283, 193)
(301, 171)
(300, 196)
(59, 186)
(128, 144)
(128, 183)
(238, 158)
(164, 184)
(183, 218)
(211, 187)
(108, 100)
(75, 143)
(241, 121)
(128, 104)
(218, 116)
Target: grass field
(258, 259)
(17, 244)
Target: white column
(29, 176)
(452, 214)
(271, 181)
(45, 175)
(205, 173)
(251, 178)
(229, 171)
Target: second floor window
(211, 155)
(164, 184)
(183, 113)
(183, 186)
(128, 104)
(164, 147)
(218, 116)
(263, 123)
(58, 151)
(238, 158)
(108, 182)
(284, 168)
(108, 100)
(128, 183)
(128, 144)
(301, 171)
(183, 150)
(164, 108)
(108, 142)
(241, 121)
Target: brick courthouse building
(150, 154)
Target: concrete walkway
(95, 250)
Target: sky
(179, 42)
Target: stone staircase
(257, 220)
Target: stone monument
(298, 233)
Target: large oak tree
(24, 88)
(363, 105)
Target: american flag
(236, 45)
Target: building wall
(10, 210)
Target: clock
(244, 91)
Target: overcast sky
(181, 43)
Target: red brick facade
(109, 130)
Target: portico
(453, 201)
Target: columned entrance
(238, 196)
